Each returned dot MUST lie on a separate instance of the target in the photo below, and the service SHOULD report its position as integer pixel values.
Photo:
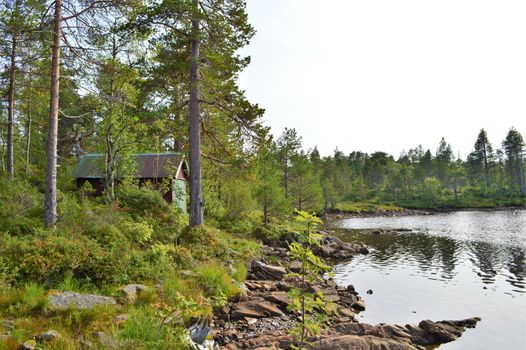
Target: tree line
(127, 76)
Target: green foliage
(311, 307)
(140, 200)
(27, 300)
(216, 282)
(240, 271)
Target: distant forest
(418, 178)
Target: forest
(120, 77)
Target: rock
(358, 305)
(284, 286)
(260, 270)
(295, 266)
(105, 340)
(65, 300)
(121, 318)
(353, 342)
(254, 309)
(86, 345)
(30, 345)
(346, 313)
(327, 251)
(48, 336)
(370, 291)
(131, 291)
(279, 298)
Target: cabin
(154, 168)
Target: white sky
(388, 75)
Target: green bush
(240, 271)
(21, 207)
(141, 199)
(216, 281)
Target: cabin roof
(148, 165)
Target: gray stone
(30, 345)
(131, 291)
(121, 318)
(66, 300)
(295, 266)
(358, 305)
(48, 336)
(260, 270)
(353, 342)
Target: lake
(450, 266)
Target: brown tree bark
(29, 120)
(11, 107)
(50, 201)
(196, 197)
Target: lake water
(450, 266)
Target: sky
(384, 75)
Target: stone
(66, 300)
(358, 305)
(131, 291)
(254, 309)
(260, 270)
(280, 298)
(121, 318)
(353, 342)
(327, 251)
(370, 291)
(346, 313)
(48, 336)
(30, 345)
(295, 266)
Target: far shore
(332, 215)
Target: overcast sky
(388, 75)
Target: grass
(216, 282)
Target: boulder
(254, 309)
(279, 298)
(358, 305)
(261, 271)
(48, 336)
(30, 345)
(66, 300)
(353, 342)
(295, 266)
(131, 291)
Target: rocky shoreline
(260, 320)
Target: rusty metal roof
(147, 165)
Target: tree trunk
(29, 121)
(11, 108)
(110, 166)
(50, 214)
(196, 201)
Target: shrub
(216, 281)
(141, 199)
(240, 271)
(139, 232)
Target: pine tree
(513, 146)
(482, 156)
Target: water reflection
(490, 244)
(450, 266)
(437, 257)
